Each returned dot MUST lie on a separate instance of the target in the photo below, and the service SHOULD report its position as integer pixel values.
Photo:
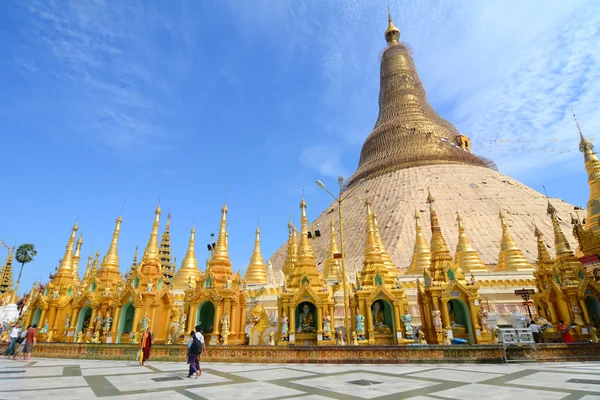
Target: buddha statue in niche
(379, 318)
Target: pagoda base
(326, 354)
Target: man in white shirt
(535, 330)
(13, 336)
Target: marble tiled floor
(87, 379)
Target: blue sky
(106, 100)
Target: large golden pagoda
(412, 148)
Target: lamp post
(343, 254)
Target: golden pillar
(445, 315)
(397, 318)
(92, 318)
(191, 318)
(152, 318)
(563, 311)
(352, 318)
(114, 329)
(52, 318)
(292, 327)
(474, 317)
(217, 320)
(136, 319)
(370, 329)
(235, 321)
(319, 321)
(43, 315)
(584, 310)
(242, 317)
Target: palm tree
(25, 254)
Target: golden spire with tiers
(134, 264)
(150, 265)
(592, 167)
(6, 277)
(88, 270)
(374, 272)
(441, 260)
(511, 257)
(306, 266)
(256, 273)
(64, 273)
(331, 265)
(189, 266)
(95, 264)
(544, 263)
(220, 264)
(166, 265)
(408, 132)
(110, 262)
(291, 258)
(466, 257)
(421, 258)
(567, 263)
(387, 260)
(76, 257)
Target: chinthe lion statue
(260, 327)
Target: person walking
(146, 345)
(30, 341)
(21, 343)
(195, 348)
(13, 336)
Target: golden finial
(561, 243)
(189, 265)
(544, 261)
(66, 264)
(584, 144)
(466, 257)
(511, 258)
(306, 262)
(168, 226)
(151, 257)
(421, 258)
(111, 258)
(220, 264)
(331, 264)
(292, 252)
(256, 273)
(387, 260)
(76, 257)
(392, 34)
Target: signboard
(521, 292)
(455, 293)
(450, 334)
(528, 303)
(337, 255)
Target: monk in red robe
(146, 344)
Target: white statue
(437, 320)
(225, 327)
(483, 315)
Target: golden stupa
(412, 148)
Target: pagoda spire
(421, 258)
(374, 271)
(442, 266)
(592, 167)
(165, 253)
(65, 269)
(466, 257)
(306, 268)
(392, 34)
(189, 265)
(6, 278)
(76, 257)
(408, 131)
(545, 263)
(331, 265)
(134, 264)
(88, 270)
(511, 257)
(95, 264)
(151, 260)
(110, 262)
(256, 273)
(387, 260)
(567, 263)
(291, 259)
(220, 264)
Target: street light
(339, 200)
